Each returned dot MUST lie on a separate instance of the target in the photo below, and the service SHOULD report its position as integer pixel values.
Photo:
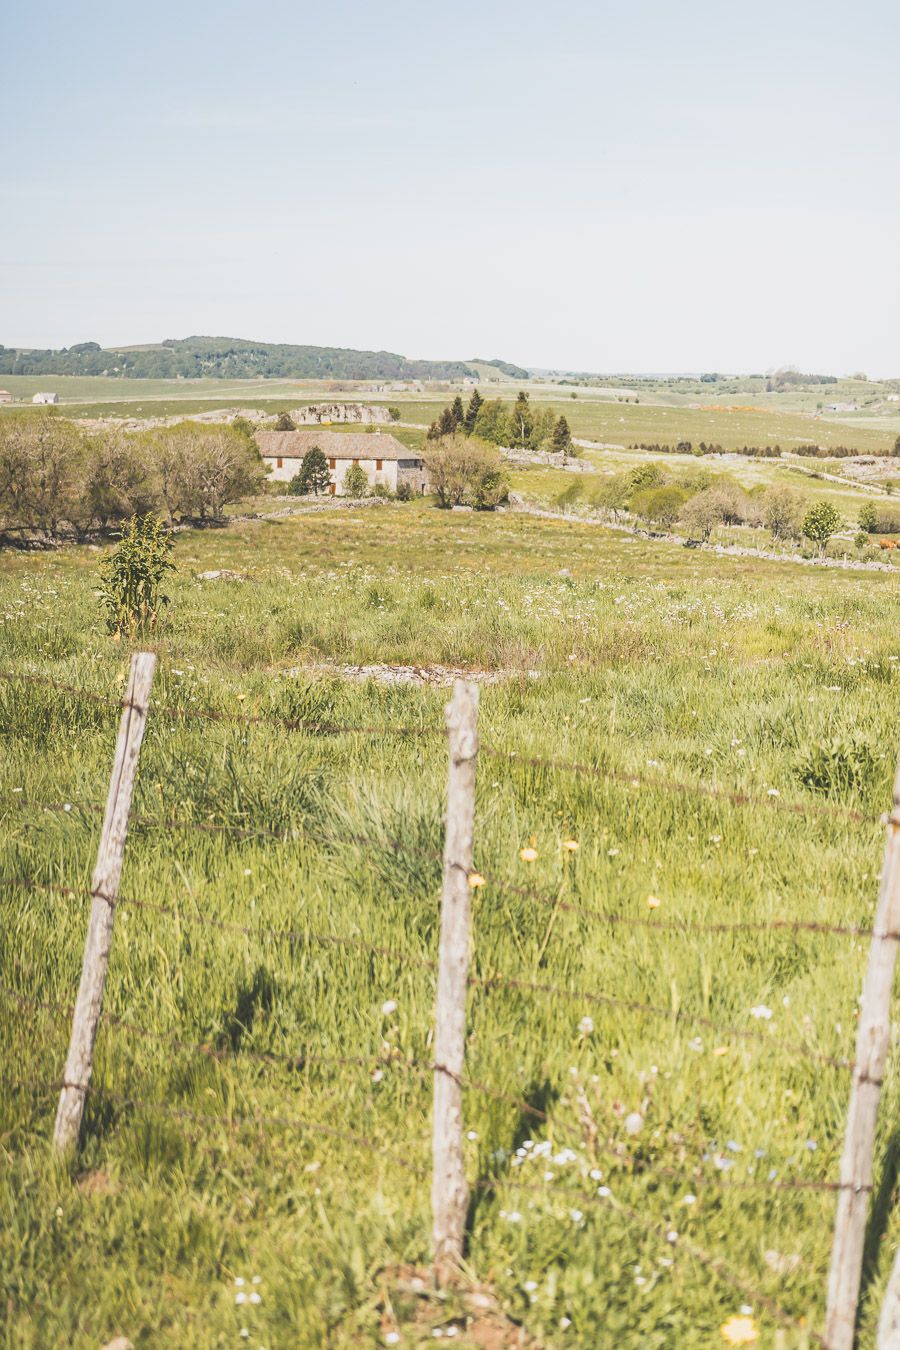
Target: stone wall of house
(414, 474)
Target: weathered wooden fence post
(449, 1190)
(872, 1041)
(105, 889)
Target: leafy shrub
(821, 521)
(837, 765)
(405, 492)
(132, 575)
(356, 484)
(661, 505)
(570, 494)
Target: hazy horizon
(614, 191)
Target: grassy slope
(661, 416)
(651, 661)
(546, 484)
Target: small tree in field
(703, 512)
(562, 438)
(463, 469)
(356, 484)
(314, 474)
(284, 422)
(132, 575)
(868, 518)
(821, 521)
(471, 416)
(781, 511)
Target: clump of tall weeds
(132, 576)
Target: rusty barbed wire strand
(501, 981)
(225, 925)
(669, 785)
(736, 798)
(684, 927)
(230, 1122)
(721, 1269)
(210, 715)
(424, 1070)
(488, 982)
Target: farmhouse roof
(334, 444)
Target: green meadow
(608, 415)
(648, 1093)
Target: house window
(332, 463)
(378, 464)
(279, 463)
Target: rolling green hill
(234, 358)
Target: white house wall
(290, 466)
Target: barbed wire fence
(450, 1191)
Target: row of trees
(58, 480)
(521, 426)
(702, 503)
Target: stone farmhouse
(45, 398)
(381, 457)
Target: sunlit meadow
(592, 1214)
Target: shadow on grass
(879, 1218)
(540, 1097)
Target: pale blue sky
(642, 186)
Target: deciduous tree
(821, 521)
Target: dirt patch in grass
(410, 1307)
(397, 674)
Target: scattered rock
(119, 1343)
(222, 574)
(431, 675)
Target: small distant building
(381, 457)
(5, 396)
(45, 398)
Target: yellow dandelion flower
(476, 880)
(570, 845)
(528, 854)
(739, 1331)
(653, 902)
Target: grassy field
(664, 416)
(650, 664)
(552, 486)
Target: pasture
(259, 1115)
(608, 416)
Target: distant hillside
(235, 359)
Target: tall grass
(657, 666)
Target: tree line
(701, 502)
(58, 480)
(234, 358)
(519, 426)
